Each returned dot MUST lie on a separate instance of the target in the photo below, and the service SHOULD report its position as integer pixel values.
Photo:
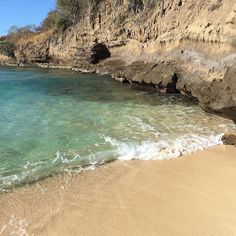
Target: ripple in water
(53, 121)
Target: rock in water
(229, 139)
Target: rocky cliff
(185, 46)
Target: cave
(99, 52)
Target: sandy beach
(191, 195)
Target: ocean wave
(63, 162)
(146, 150)
(164, 149)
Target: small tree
(16, 32)
(51, 21)
(69, 9)
(13, 30)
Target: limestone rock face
(183, 45)
(31, 53)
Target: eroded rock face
(158, 76)
(31, 53)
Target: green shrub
(7, 48)
(151, 3)
(135, 5)
(70, 9)
(50, 21)
(63, 23)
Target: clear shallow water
(54, 120)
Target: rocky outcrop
(181, 46)
(229, 139)
(31, 53)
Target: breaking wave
(146, 150)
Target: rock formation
(229, 139)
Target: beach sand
(191, 195)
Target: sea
(56, 121)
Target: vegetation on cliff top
(70, 12)
(66, 14)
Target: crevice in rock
(171, 87)
(126, 81)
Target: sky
(23, 12)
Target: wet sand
(191, 195)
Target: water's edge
(146, 150)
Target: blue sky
(23, 12)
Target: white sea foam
(144, 126)
(15, 226)
(164, 149)
(121, 150)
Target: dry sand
(191, 195)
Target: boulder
(229, 139)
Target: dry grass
(33, 37)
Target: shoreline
(190, 195)
(227, 113)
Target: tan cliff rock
(189, 46)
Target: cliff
(183, 46)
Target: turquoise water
(53, 121)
